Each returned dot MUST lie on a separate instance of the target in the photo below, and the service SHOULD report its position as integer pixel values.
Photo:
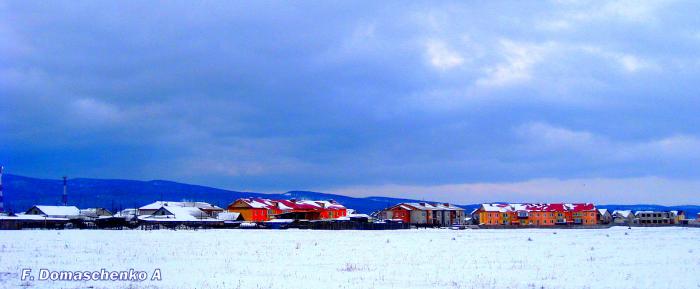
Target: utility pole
(65, 191)
(2, 202)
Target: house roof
(530, 207)
(93, 212)
(59, 210)
(158, 204)
(330, 204)
(301, 205)
(424, 206)
(290, 205)
(622, 213)
(447, 206)
(178, 214)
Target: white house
(177, 214)
(623, 217)
(67, 212)
(209, 209)
(604, 216)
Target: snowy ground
(609, 258)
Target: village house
(604, 216)
(177, 214)
(310, 210)
(623, 217)
(653, 218)
(678, 217)
(261, 210)
(94, 213)
(254, 209)
(537, 214)
(423, 213)
(65, 212)
(209, 209)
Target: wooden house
(604, 216)
(623, 217)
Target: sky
(466, 102)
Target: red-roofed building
(260, 210)
(423, 213)
(537, 214)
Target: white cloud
(576, 14)
(441, 56)
(598, 190)
(546, 135)
(631, 63)
(546, 138)
(519, 59)
(93, 110)
(628, 63)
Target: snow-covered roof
(257, 203)
(179, 214)
(126, 212)
(330, 204)
(58, 210)
(530, 207)
(447, 206)
(93, 212)
(603, 211)
(290, 205)
(622, 213)
(502, 208)
(424, 206)
(158, 204)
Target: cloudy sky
(462, 102)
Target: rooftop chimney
(65, 191)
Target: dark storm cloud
(356, 97)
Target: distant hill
(23, 192)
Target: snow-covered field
(525, 258)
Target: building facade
(423, 213)
(654, 218)
(537, 214)
(261, 210)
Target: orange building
(537, 214)
(254, 209)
